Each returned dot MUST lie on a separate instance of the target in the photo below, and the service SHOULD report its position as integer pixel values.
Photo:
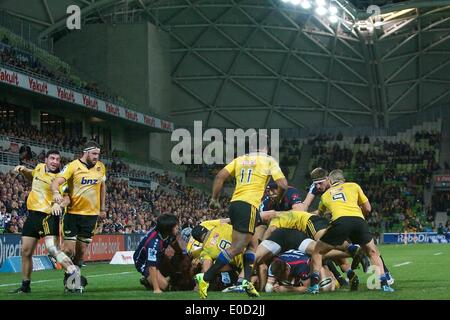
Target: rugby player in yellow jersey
(43, 217)
(87, 191)
(213, 242)
(348, 205)
(313, 225)
(252, 173)
(193, 246)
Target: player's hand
(18, 169)
(57, 210)
(214, 204)
(279, 288)
(57, 197)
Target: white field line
(44, 281)
(402, 264)
(437, 254)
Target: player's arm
(308, 201)
(154, 279)
(300, 289)
(363, 202)
(225, 221)
(366, 208)
(103, 200)
(217, 187)
(58, 208)
(24, 171)
(262, 276)
(56, 183)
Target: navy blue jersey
(150, 251)
(299, 263)
(291, 197)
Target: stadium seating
(394, 168)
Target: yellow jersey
(84, 187)
(219, 239)
(252, 173)
(41, 197)
(193, 247)
(292, 220)
(343, 200)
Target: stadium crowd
(130, 210)
(393, 175)
(20, 59)
(404, 210)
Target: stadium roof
(270, 63)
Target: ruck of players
(271, 241)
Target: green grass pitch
(420, 272)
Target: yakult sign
(44, 87)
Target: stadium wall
(140, 47)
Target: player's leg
(28, 247)
(362, 236)
(269, 231)
(58, 254)
(372, 252)
(328, 282)
(51, 233)
(80, 249)
(321, 248)
(86, 226)
(30, 236)
(265, 251)
(243, 217)
(260, 231)
(239, 243)
(69, 231)
(334, 236)
(163, 282)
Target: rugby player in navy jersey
(291, 200)
(289, 272)
(150, 252)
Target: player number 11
(249, 175)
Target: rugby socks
(26, 284)
(249, 260)
(383, 280)
(336, 273)
(352, 249)
(386, 270)
(315, 276)
(222, 260)
(350, 274)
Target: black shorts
(39, 224)
(79, 227)
(315, 224)
(243, 216)
(287, 239)
(355, 229)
